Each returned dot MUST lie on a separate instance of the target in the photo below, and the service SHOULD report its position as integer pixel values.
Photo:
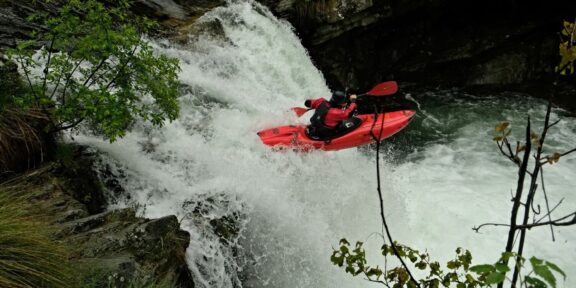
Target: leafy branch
(97, 69)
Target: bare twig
(67, 83)
(477, 229)
(566, 153)
(518, 196)
(557, 222)
(547, 203)
(551, 210)
(378, 281)
(47, 67)
(381, 198)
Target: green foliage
(28, 257)
(97, 68)
(567, 49)
(542, 270)
(457, 272)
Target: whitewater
(441, 176)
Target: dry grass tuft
(21, 144)
(28, 256)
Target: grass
(21, 146)
(28, 256)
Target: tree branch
(381, 198)
(477, 229)
(557, 222)
(67, 83)
(94, 71)
(377, 281)
(566, 153)
(547, 203)
(121, 68)
(48, 64)
(28, 78)
(61, 128)
(518, 196)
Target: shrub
(97, 68)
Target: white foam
(295, 207)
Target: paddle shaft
(382, 89)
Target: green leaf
(374, 272)
(484, 268)
(506, 256)
(446, 281)
(495, 278)
(421, 265)
(337, 259)
(452, 265)
(502, 267)
(544, 272)
(535, 282)
(556, 268)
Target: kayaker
(330, 117)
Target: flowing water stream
(442, 175)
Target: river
(441, 176)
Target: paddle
(382, 89)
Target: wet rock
(80, 178)
(13, 23)
(433, 42)
(115, 248)
(222, 214)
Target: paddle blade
(299, 111)
(384, 89)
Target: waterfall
(440, 177)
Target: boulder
(111, 248)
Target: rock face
(437, 42)
(115, 248)
(441, 41)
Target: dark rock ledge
(115, 248)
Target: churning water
(441, 176)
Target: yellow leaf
(520, 148)
(502, 126)
(498, 138)
(554, 158)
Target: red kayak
(295, 137)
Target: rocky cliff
(110, 248)
(502, 44)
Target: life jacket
(317, 120)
